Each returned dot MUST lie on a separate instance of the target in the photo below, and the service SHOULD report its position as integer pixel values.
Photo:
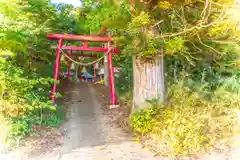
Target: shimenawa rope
(85, 64)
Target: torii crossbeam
(85, 39)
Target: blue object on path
(87, 75)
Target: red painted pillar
(56, 68)
(111, 80)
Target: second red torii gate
(85, 39)
(70, 54)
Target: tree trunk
(148, 81)
(76, 75)
(76, 71)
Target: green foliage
(24, 97)
(200, 43)
(124, 81)
(174, 46)
(144, 121)
(55, 118)
(25, 84)
(19, 129)
(189, 124)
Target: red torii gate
(85, 39)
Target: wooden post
(56, 68)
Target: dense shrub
(25, 83)
(24, 100)
(189, 124)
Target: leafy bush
(24, 100)
(24, 85)
(189, 124)
(143, 122)
(124, 82)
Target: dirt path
(89, 136)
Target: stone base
(113, 106)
